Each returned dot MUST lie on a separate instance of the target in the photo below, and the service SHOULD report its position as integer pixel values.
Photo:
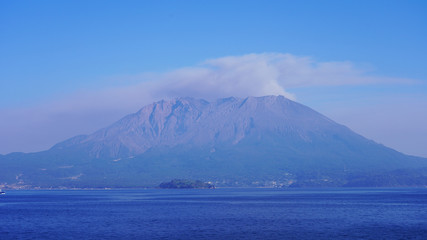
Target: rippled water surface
(215, 214)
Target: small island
(186, 184)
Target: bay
(349, 213)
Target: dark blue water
(215, 214)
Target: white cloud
(39, 127)
(247, 75)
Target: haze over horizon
(70, 68)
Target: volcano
(268, 141)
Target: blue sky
(71, 67)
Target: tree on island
(185, 184)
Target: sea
(222, 213)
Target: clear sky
(72, 67)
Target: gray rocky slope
(256, 141)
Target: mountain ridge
(162, 112)
(253, 141)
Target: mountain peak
(197, 122)
(186, 120)
(254, 140)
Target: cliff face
(257, 141)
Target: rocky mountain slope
(256, 141)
